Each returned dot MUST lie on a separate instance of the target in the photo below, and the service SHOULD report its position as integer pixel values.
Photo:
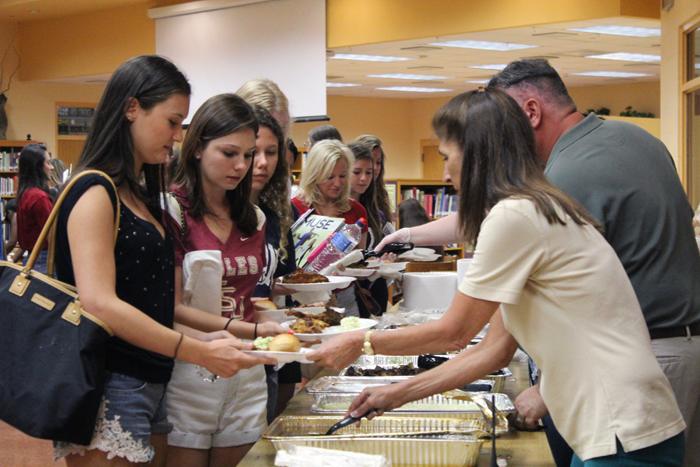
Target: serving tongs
(458, 427)
(393, 247)
(483, 405)
(349, 420)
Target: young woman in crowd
(563, 295)
(381, 196)
(267, 95)
(362, 189)
(322, 132)
(33, 200)
(270, 193)
(325, 188)
(216, 422)
(130, 285)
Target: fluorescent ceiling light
(408, 76)
(483, 45)
(612, 74)
(621, 31)
(627, 57)
(490, 67)
(369, 58)
(477, 81)
(412, 89)
(342, 85)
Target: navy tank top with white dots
(145, 279)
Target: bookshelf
(9, 164)
(439, 199)
(72, 125)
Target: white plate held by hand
(334, 282)
(330, 331)
(282, 357)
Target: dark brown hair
(219, 116)
(368, 199)
(381, 194)
(498, 160)
(275, 195)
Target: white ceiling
(566, 50)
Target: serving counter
(519, 448)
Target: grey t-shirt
(626, 179)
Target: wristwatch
(367, 345)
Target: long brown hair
(380, 193)
(368, 199)
(275, 194)
(219, 116)
(498, 160)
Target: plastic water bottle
(336, 246)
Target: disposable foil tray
(404, 441)
(436, 404)
(356, 384)
(366, 362)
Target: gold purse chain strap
(49, 226)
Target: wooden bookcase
(9, 166)
(437, 198)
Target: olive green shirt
(627, 180)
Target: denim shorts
(131, 411)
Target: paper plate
(357, 272)
(334, 282)
(331, 331)
(282, 357)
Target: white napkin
(420, 254)
(306, 456)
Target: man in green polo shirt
(627, 180)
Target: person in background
(268, 95)
(562, 292)
(34, 202)
(216, 423)
(382, 197)
(56, 176)
(412, 214)
(292, 154)
(362, 189)
(269, 192)
(325, 188)
(13, 251)
(130, 285)
(321, 133)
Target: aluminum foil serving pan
(435, 405)
(404, 441)
(356, 384)
(368, 362)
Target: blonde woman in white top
(563, 294)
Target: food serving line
(450, 429)
(519, 448)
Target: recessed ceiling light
(627, 57)
(342, 85)
(412, 89)
(612, 74)
(483, 45)
(369, 58)
(498, 67)
(408, 76)
(621, 31)
(477, 81)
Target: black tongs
(393, 247)
(349, 420)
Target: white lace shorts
(131, 411)
(224, 413)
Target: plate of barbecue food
(304, 281)
(318, 326)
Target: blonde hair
(269, 96)
(319, 165)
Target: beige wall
(402, 123)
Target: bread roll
(264, 304)
(285, 343)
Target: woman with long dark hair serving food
(562, 292)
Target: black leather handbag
(52, 352)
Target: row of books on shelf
(7, 186)
(437, 204)
(9, 161)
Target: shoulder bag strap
(49, 226)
